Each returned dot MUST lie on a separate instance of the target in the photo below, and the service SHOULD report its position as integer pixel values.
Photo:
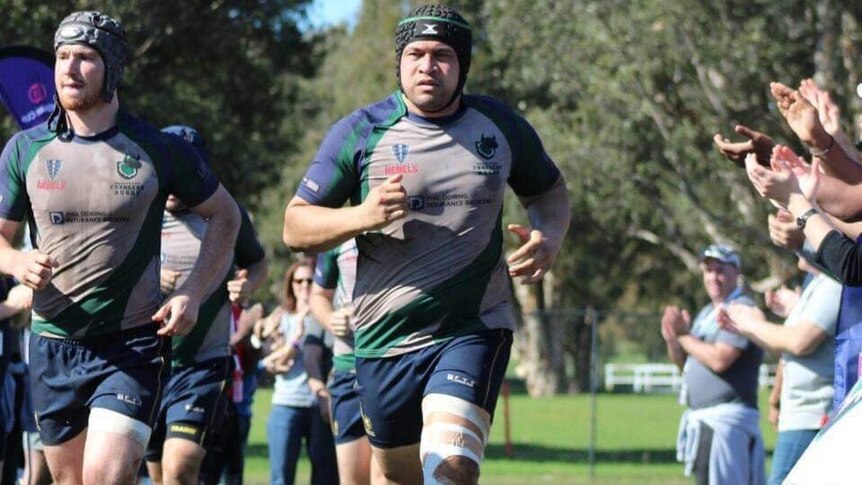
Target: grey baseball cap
(725, 254)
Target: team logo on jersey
(400, 150)
(128, 166)
(487, 146)
(53, 167)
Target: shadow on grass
(537, 453)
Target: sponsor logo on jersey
(43, 184)
(487, 146)
(71, 217)
(401, 150)
(405, 169)
(416, 202)
(184, 429)
(128, 166)
(57, 218)
(53, 167)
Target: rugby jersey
(182, 233)
(336, 270)
(439, 272)
(95, 204)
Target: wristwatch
(801, 220)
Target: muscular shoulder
(358, 124)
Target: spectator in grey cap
(719, 435)
(93, 183)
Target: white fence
(661, 377)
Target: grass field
(635, 440)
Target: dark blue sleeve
(333, 175)
(190, 178)
(326, 269)
(14, 199)
(248, 249)
(533, 171)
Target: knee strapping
(453, 427)
(102, 419)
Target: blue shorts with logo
(194, 404)
(345, 410)
(122, 371)
(470, 367)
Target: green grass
(635, 440)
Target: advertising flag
(27, 84)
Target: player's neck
(447, 111)
(93, 121)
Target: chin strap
(58, 123)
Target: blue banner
(27, 84)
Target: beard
(86, 99)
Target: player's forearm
(216, 252)
(321, 308)
(257, 273)
(313, 228)
(8, 254)
(550, 213)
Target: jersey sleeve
(14, 199)
(190, 178)
(248, 249)
(333, 175)
(326, 269)
(533, 172)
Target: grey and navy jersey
(439, 272)
(182, 233)
(95, 204)
(336, 270)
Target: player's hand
(168, 281)
(757, 143)
(178, 315)
(239, 288)
(384, 204)
(532, 259)
(339, 322)
(34, 269)
(20, 297)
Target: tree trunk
(537, 345)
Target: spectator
(807, 359)
(295, 414)
(719, 437)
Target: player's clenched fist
(35, 269)
(385, 203)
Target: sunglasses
(302, 280)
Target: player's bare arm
(314, 228)
(549, 214)
(180, 310)
(33, 269)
